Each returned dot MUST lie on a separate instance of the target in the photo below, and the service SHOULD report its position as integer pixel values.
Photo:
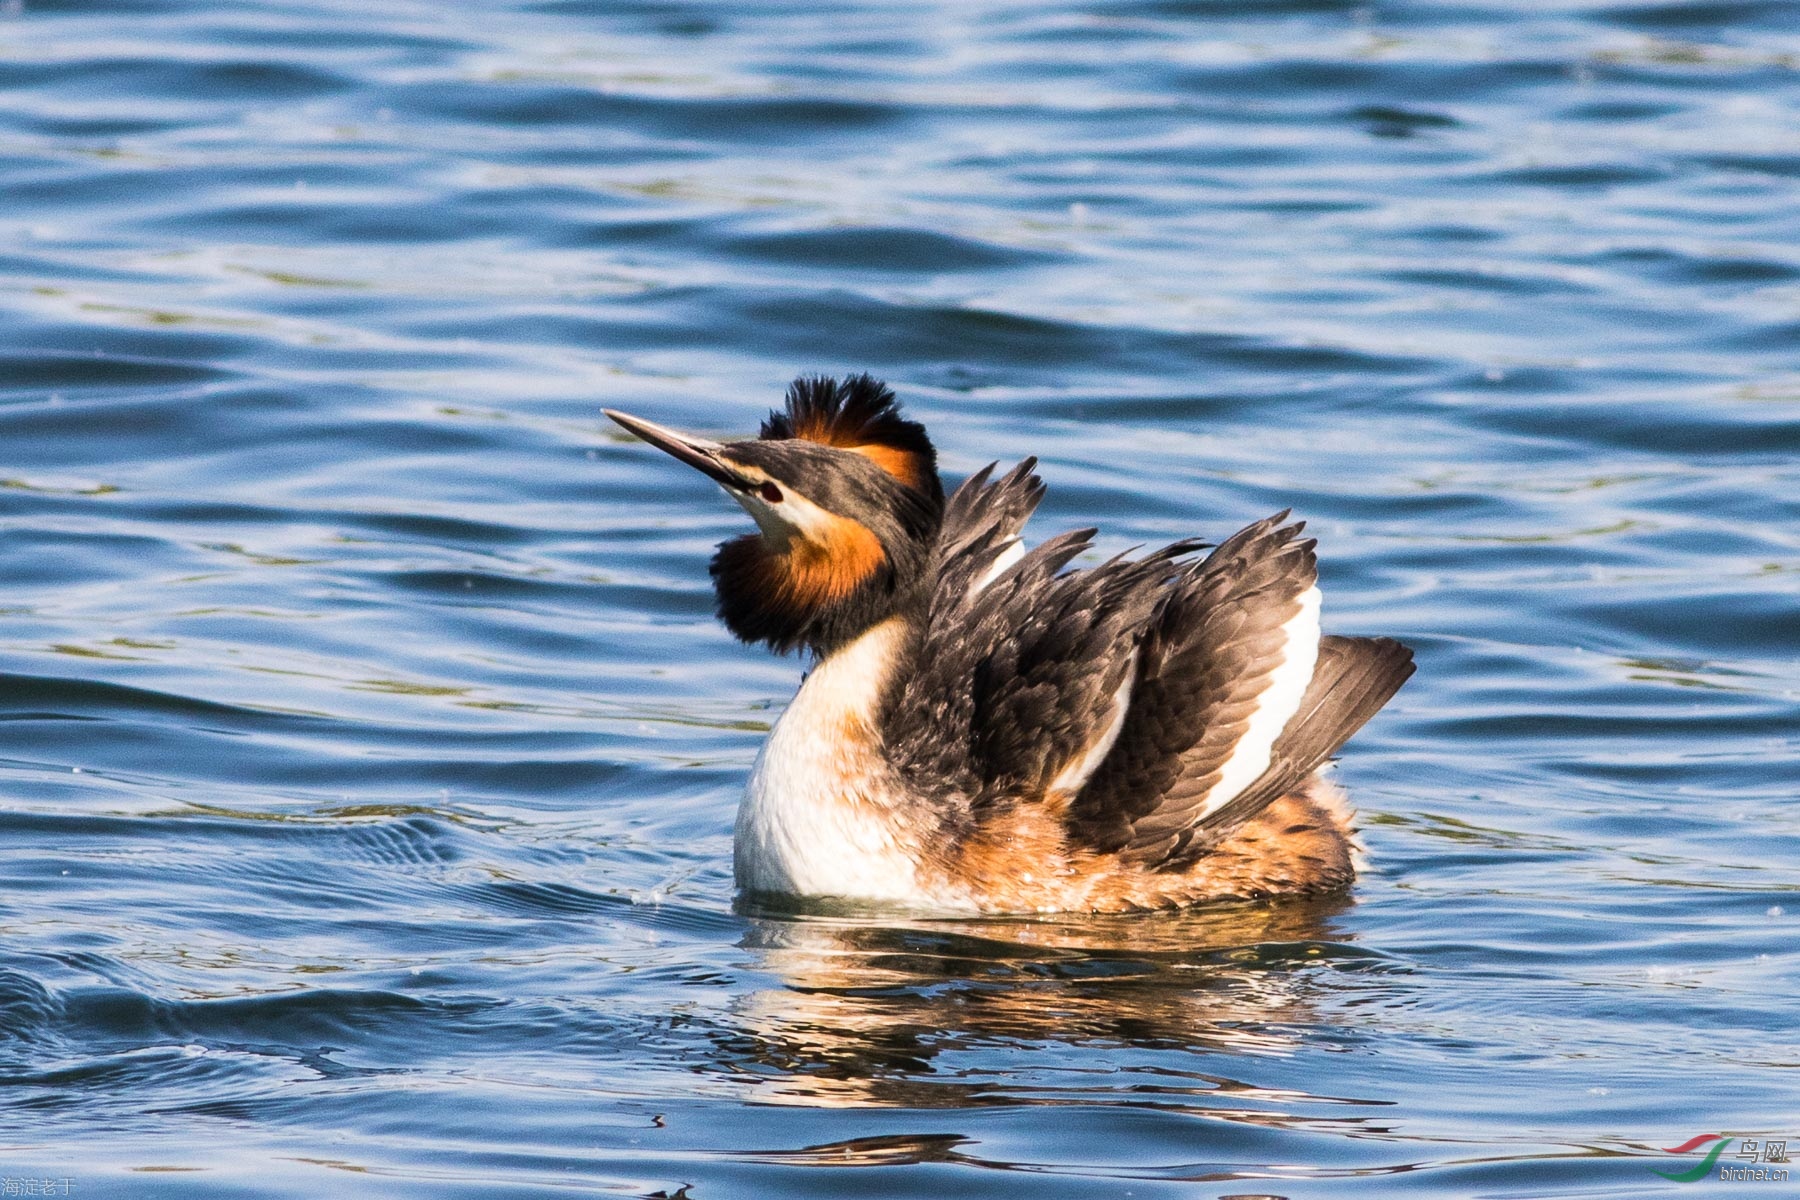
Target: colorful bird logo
(1719, 1140)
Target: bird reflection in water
(869, 1009)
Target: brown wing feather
(1203, 665)
(1353, 679)
(1017, 677)
(981, 520)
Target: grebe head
(847, 501)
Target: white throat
(819, 816)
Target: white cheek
(761, 512)
(792, 515)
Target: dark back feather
(1022, 675)
(1016, 677)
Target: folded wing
(1353, 679)
(1224, 666)
(1160, 702)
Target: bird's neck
(765, 596)
(852, 682)
(877, 648)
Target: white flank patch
(1015, 550)
(817, 818)
(1279, 701)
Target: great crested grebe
(986, 730)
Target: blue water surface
(369, 750)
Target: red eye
(771, 493)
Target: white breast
(818, 818)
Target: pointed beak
(699, 453)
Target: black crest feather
(860, 413)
